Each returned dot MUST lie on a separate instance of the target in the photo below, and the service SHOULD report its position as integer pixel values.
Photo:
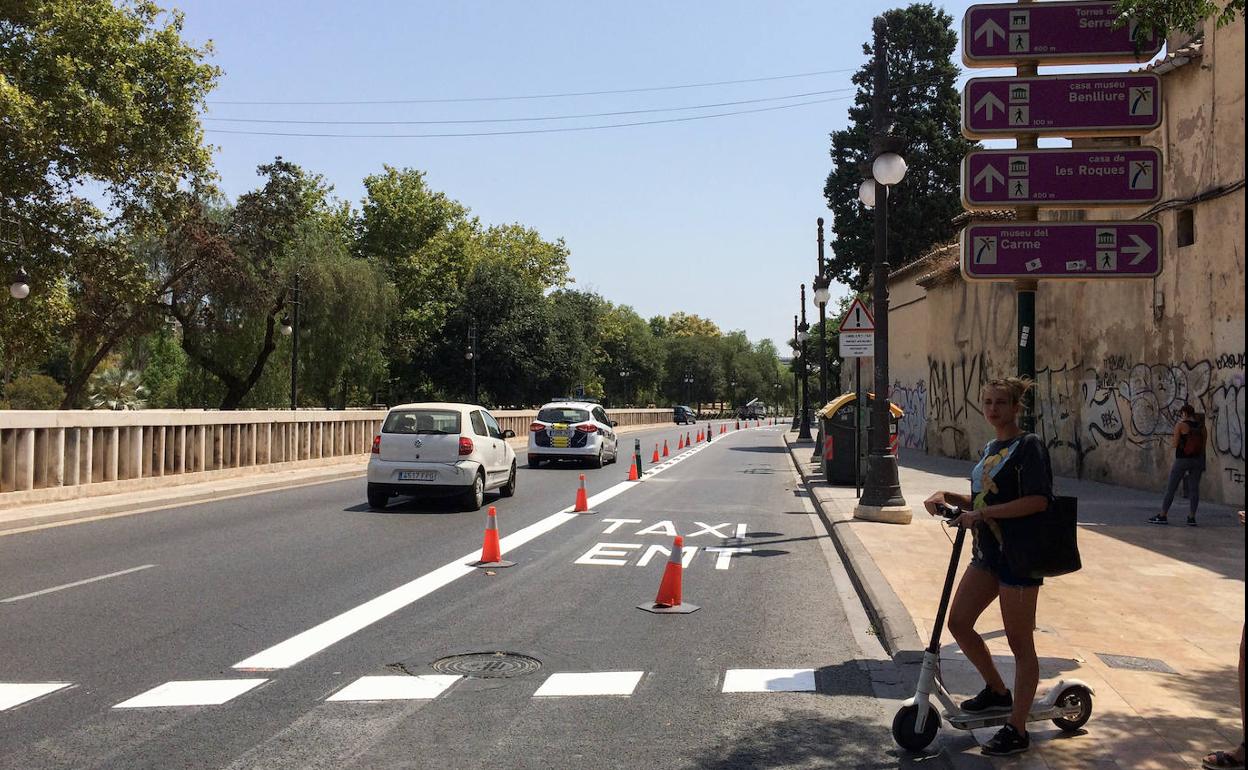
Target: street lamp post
(471, 355)
(881, 497)
(803, 334)
(732, 393)
(20, 287)
(624, 373)
(797, 417)
(291, 329)
(688, 380)
(822, 295)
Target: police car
(572, 430)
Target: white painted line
(399, 687)
(75, 583)
(16, 693)
(769, 680)
(590, 683)
(307, 643)
(199, 692)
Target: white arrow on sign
(988, 101)
(988, 176)
(989, 28)
(1141, 249)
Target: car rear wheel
(596, 461)
(474, 498)
(509, 489)
(377, 498)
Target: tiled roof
(1194, 49)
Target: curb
(892, 622)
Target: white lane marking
(724, 559)
(769, 680)
(74, 584)
(399, 687)
(590, 683)
(307, 643)
(16, 693)
(195, 692)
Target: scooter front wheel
(903, 728)
(1074, 697)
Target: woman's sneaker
(987, 700)
(1007, 741)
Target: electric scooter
(1068, 703)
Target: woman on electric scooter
(1013, 479)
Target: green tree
(229, 311)
(33, 391)
(117, 389)
(93, 94)
(924, 110)
(1166, 16)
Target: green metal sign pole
(857, 428)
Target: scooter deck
(964, 721)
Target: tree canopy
(923, 109)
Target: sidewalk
(1171, 598)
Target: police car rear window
(563, 414)
(426, 421)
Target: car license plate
(416, 475)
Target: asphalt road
(306, 592)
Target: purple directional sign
(1051, 33)
(1061, 105)
(1083, 251)
(993, 179)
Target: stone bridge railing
(59, 455)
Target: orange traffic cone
(687, 441)
(669, 597)
(738, 425)
(491, 553)
(665, 452)
(723, 429)
(699, 437)
(632, 471)
(654, 460)
(680, 442)
(582, 501)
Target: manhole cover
(1132, 663)
(487, 665)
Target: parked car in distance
(440, 450)
(572, 430)
(683, 415)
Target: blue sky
(714, 217)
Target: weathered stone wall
(1115, 359)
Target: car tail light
(587, 427)
(376, 445)
(465, 446)
(537, 427)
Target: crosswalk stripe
(197, 692)
(13, 694)
(397, 687)
(590, 683)
(769, 680)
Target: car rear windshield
(434, 421)
(562, 414)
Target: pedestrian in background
(1013, 479)
(1189, 463)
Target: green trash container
(838, 418)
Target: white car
(572, 430)
(440, 450)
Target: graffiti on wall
(912, 429)
(1080, 410)
(1084, 409)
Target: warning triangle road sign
(857, 318)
